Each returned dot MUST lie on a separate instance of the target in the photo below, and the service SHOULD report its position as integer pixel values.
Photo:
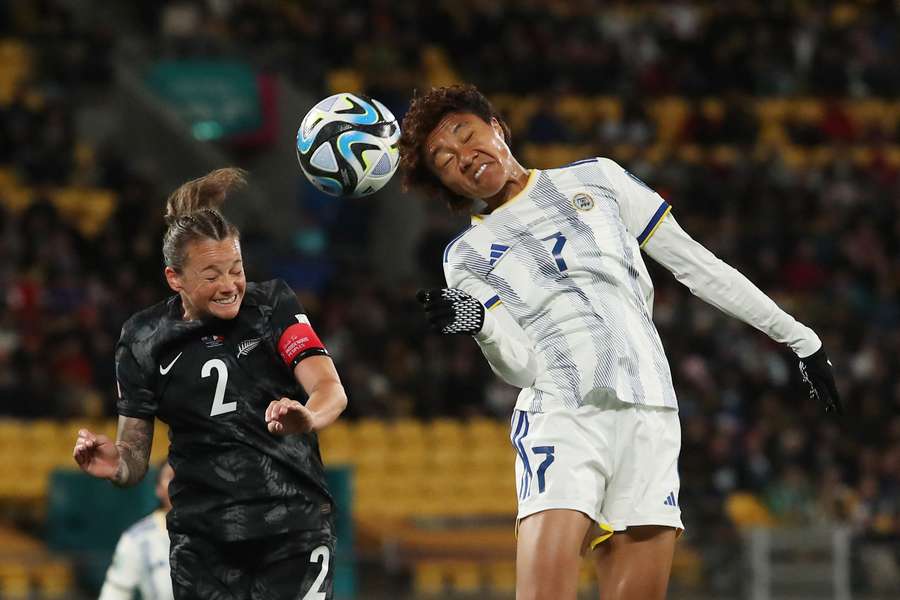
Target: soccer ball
(347, 145)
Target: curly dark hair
(425, 112)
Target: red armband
(298, 342)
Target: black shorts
(290, 566)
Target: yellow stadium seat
(690, 153)
(745, 511)
(657, 153)
(372, 460)
(822, 155)
(862, 155)
(577, 112)
(345, 80)
(369, 431)
(14, 582)
(893, 156)
(669, 114)
(771, 111)
(15, 68)
(624, 152)
(501, 577)
(807, 110)
(687, 566)
(439, 71)
(54, 579)
(16, 198)
(428, 578)
(465, 577)
(608, 108)
(773, 134)
(795, 157)
(445, 430)
(712, 109)
(481, 428)
(404, 431)
(724, 155)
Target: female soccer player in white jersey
(551, 283)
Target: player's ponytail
(192, 213)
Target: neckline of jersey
(532, 177)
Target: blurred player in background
(141, 560)
(550, 282)
(222, 363)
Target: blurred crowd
(822, 238)
(685, 47)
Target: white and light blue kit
(141, 562)
(570, 302)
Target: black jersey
(211, 381)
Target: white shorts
(617, 463)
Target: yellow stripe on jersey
(532, 177)
(655, 227)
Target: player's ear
(498, 128)
(173, 279)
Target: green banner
(216, 98)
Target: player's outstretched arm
(327, 399)
(125, 461)
(455, 311)
(719, 284)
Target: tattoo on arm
(134, 440)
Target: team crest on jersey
(213, 341)
(583, 202)
(247, 346)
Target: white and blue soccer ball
(347, 145)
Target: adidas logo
(247, 346)
(670, 500)
(497, 250)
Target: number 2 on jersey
(557, 250)
(219, 407)
(315, 590)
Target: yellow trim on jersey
(496, 304)
(655, 227)
(532, 177)
(607, 533)
(606, 528)
(159, 516)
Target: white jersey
(560, 268)
(563, 258)
(141, 562)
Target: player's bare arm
(134, 439)
(123, 461)
(327, 399)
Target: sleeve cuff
(487, 329)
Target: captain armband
(300, 341)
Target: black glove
(817, 373)
(452, 311)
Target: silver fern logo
(247, 346)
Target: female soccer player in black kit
(222, 362)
